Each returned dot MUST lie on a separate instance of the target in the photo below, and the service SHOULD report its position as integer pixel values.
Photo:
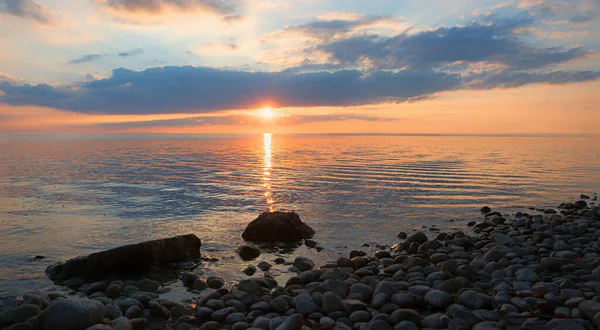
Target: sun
(267, 113)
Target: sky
(300, 66)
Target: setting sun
(267, 112)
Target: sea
(67, 195)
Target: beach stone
(239, 326)
(147, 285)
(501, 239)
(235, 318)
(188, 279)
(486, 326)
(99, 327)
(18, 314)
(121, 323)
(360, 316)
(405, 315)
(527, 274)
(129, 258)
(222, 314)
(211, 325)
(485, 210)
(475, 300)
(112, 311)
(402, 299)
(589, 308)
(71, 314)
(379, 325)
(139, 323)
(248, 252)
(439, 299)
(561, 324)
(158, 310)
(250, 270)
(417, 237)
(200, 284)
(280, 305)
(277, 226)
(133, 312)
(406, 325)
(294, 322)
(454, 284)
(249, 286)
(215, 282)
(303, 263)
(435, 321)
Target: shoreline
(540, 270)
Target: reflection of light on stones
(267, 172)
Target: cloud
(86, 59)
(156, 7)
(28, 9)
(235, 120)
(201, 90)
(133, 52)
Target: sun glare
(267, 112)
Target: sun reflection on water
(267, 172)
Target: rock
(71, 314)
(405, 315)
(250, 270)
(527, 274)
(277, 226)
(134, 312)
(139, 323)
(158, 310)
(99, 327)
(248, 252)
(294, 322)
(303, 263)
(122, 323)
(417, 237)
(129, 258)
(485, 210)
(406, 325)
(147, 285)
(215, 282)
(18, 314)
(589, 308)
(475, 300)
(188, 279)
(438, 299)
(501, 239)
(199, 284)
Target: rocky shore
(535, 269)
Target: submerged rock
(129, 258)
(277, 227)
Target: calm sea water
(62, 196)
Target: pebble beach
(535, 269)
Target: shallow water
(62, 196)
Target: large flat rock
(129, 258)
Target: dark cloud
(133, 52)
(494, 43)
(86, 59)
(158, 6)
(200, 89)
(29, 9)
(511, 79)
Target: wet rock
(215, 282)
(485, 210)
(417, 237)
(303, 263)
(129, 258)
(248, 252)
(277, 226)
